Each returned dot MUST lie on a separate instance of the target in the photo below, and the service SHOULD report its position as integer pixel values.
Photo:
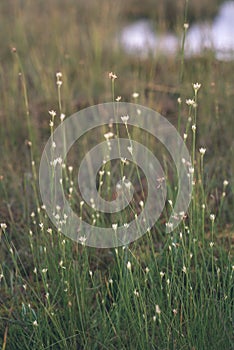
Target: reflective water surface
(139, 37)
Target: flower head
(135, 95)
(196, 86)
(112, 76)
(59, 75)
(157, 309)
(52, 113)
(125, 119)
(225, 183)
(3, 226)
(108, 135)
(202, 150)
(212, 217)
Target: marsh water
(139, 37)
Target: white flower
(196, 86)
(194, 127)
(186, 26)
(162, 274)
(225, 183)
(29, 143)
(127, 184)
(130, 150)
(190, 102)
(61, 263)
(44, 270)
(112, 76)
(108, 135)
(169, 225)
(147, 269)
(59, 75)
(212, 217)
(35, 324)
(211, 244)
(82, 240)
(114, 226)
(118, 98)
(135, 95)
(184, 269)
(52, 113)
(62, 117)
(3, 225)
(56, 161)
(179, 100)
(157, 309)
(136, 293)
(41, 225)
(191, 170)
(129, 266)
(125, 118)
(202, 151)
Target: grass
(164, 291)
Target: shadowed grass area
(164, 291)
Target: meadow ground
(164, 291)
